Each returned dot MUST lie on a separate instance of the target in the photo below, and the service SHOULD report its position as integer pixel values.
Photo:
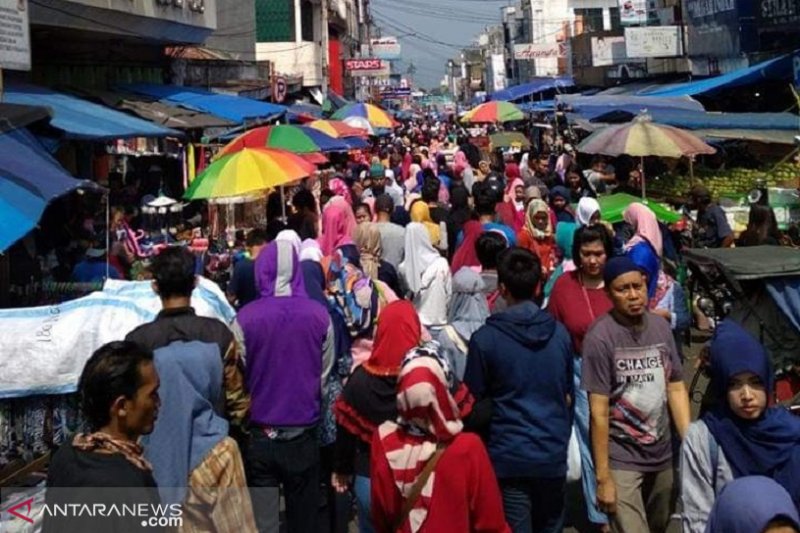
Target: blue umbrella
(20, 210)
(29, 179)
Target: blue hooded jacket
(522, 360)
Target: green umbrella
(612, 207)
(509, 139)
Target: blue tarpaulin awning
(777, 69)
(235, 108)
(538, 85)
(79, 119)
(29, 179)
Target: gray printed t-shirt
(393, 241)
(633, 369)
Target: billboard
(713, 28)
(607, 51)
(654, 41)
(15, 44)
(532, 51)
(387, 48)
(633, 12)
(368, 67)
(498, 64)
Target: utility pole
(325, 48)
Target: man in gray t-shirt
(633, 374)
(393, 236)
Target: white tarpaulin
(45, 348)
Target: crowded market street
(360, 266)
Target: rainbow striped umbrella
(494, 112)
(641, 138)
(248, 171)
(337, 128)
(377, 117)
(297, 139)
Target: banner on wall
(655, 41)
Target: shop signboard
(607, 51)
(15, 44)
(713, 28)
(369, 67)
(655, 41)
(530, 51)
(498, 63)
(772, 13)
(387, 48)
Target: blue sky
(431, 31)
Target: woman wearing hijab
(338, 226)
(484, 169)
(464, 170)
(408, 160)
(743, 435)
(512, 210)
(468, 312)
(421, 213)
(565, 236)
(460, 213)
(393, 189)
(537, 235)
(466, 255)
(368, 241)
(340, 188)
(427, 275)
(368, 400)
(428, 476)
(753, 504)
(559, 201)
(588, 212)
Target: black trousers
(292, 465)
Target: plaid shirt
(218, 499)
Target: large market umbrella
(337, 128)
(613, 206)
(20, 211)
(509, 139)
(377, 117)
(494, 112)
(297, 139)
(642, 138)
(248, 171)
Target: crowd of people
(427, 338)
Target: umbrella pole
(691, 170)
(644, 193)
(283, 205)
(108, 232)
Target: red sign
(363, 64)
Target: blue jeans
(534, 505)
(581, 421)
(361, 488)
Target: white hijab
(420, 254)
(587, 207)
(394, 190)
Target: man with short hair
(521, 360)
(242, 287)
(711, 228)
(486, 199)
(430, 195)
(393, 236)
(633, 374)
(174, 280)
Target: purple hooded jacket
(289, 343)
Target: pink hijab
(516, 182)
(339, 188)
(460, 162)
(644, 222)
(338, 226)
(406, 166)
